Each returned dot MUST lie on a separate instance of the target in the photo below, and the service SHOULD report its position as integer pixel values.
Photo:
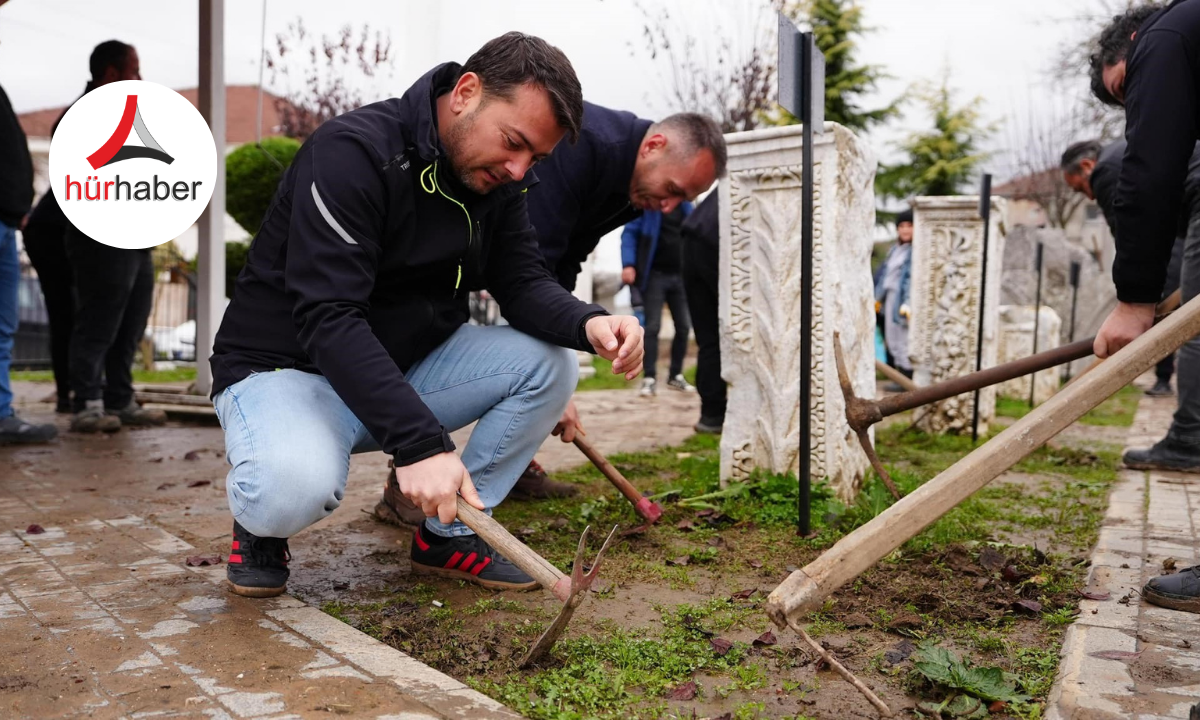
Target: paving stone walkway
(1125, 658)
(101, 617)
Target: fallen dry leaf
(991, 559)
(1030, 606)
(900, 652)
(1094, 595)
(681, 560)
(203, 560)
(756, 563)
(199, 483)
(164, 486)
(35, 529)
(720, 646)
(341, 585)
(743, 594)
(765, 640)
(191, 455)
(685, 525)
(1168, 566)
(685, 691)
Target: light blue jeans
(289, 436)
(10, 279)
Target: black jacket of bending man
(1162, 99)
(583, 189)
(1105, 174)
(364, 260)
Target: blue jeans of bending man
(10, 277)
(289, 437)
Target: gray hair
(697, 132)
(1078, 152)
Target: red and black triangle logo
(115, 150)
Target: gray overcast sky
(999, 49)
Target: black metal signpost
(1037, 317)
(1075, 269)
(985, 213)
(802, 93)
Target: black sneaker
(257, 566)
(466, 557)
(15, 431)
(1180, 591)
(1161, 388)
(1167, 454)
(709, 426)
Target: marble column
(945, 299)
(1016, 342)
(760, 301)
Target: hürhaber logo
(133, 164)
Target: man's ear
(655, 143)
(467, 91)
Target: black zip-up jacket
(363, 264)
(1161, 128)
(1108, 168)
(16, 167)
(583, 189)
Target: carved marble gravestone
(760, 301)
(945, 293)
(1016, 342)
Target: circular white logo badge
(133, 164)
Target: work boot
(535, 484)
(649, 388)
(134, 415)
(1161, 388)
(709, 426)
(395, 509)
(92, 419)
(677, 382)
(1167, 454)
(15, 431)
(257, 566)
(466, 557)
(1180, 591)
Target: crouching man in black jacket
(347, 329)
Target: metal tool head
(580, 583)
(861, 415)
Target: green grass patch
(604, 378)
(1118, 410)
(179, 374)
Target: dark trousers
(700, 266)
(1166, 367)
(665, 288)
(1186, 424)
(47, 251)
(114, 292)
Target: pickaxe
(644, 506)
(571, 590)
(862, 413)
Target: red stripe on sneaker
(467, 563)
(235, 545)
(234, 559)
(480, 566)
(420, 541)
(453, 560)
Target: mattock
(570, 589)
(862, 413)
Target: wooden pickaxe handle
(645, 507)
(805, 589)
(516, 551)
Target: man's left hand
(617, 338)
(569, 425)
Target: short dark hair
(1113, 45)
(698, 132)
(505, 63)
(1078, 152)
(110, 53)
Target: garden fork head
(580, 583)
(861, 415)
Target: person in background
(652, 256)
(892, 293)
(1091, 169)
(701, 263)
(114, 293)
(16, 197)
